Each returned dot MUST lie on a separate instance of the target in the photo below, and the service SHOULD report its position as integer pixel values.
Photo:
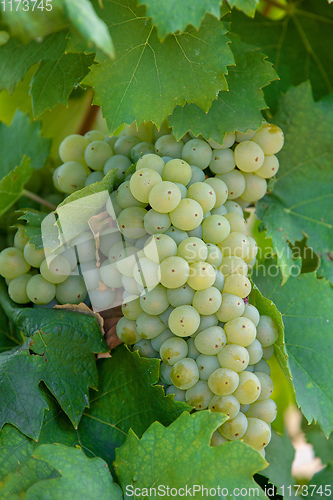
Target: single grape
(131, 222)
(204, 194)
(152, 161)
(267, 331)
(126, 331)
(184, 320)
(264, 410)
(199, 395)
(255, 187)
(214, 256)
(124, 144)
(192, 250)
(197, 152)
(267, 352)
(71, 291)
(167, 145)
(207, 365)
(248, 389)
(219, 282)
(93, 178)
(222, 161)
(160, 246)
(131, 308)
(110, 274)
(251, 313)
(201, 275)
(173, 350)
(156, 342)
(217, 439)
(146, 350)
(235, 428)
(269, 168)
(255, 352)
(156, 301)
(13, 263)
(39, 290)
(146, 273)
(207, 301)
(223, 381)
(233, 265)
(234, 356)
(258, 433)
(220, 188)
(237, 284)
(249, 156)
(149, 326)
(236, 244)
(17, 289)
(235, 182)
(229, 405)
(141, 183)
(210, 341)
(33, 256)
(117, 162)
(233, 207)
(176, 234)
(71, 176)
(94, 135)
(141, 149)
(180, 296)
(266, 385)
(85, 247)
(236, 221)
(185, 374)
(124, 197)
(197, 175)
(156, 222)
(270, 138)
(164, 197)
(252, 252)
(221, 210)
(56, 269)
(72, 148)
(232, 307)
(262, 366)
(20, 239)
(178, 394)
(174, 272)
(240, 331)
(215, 229)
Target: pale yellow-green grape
(165, 196)
(32, 256)
(182, 189)
(20, 239)
(220, 188)
(245, 136)
(187, 215)
(258, 433)
(94, 135)
(228, 141)
(39, 290)
(249, 368)
(270, 138)
(217, 439)
(240, 331)
(173, 350)
(207, 301)
(235, 244)
(117, 162)
(185, 374)
(262, 366)
(249, 388)
(237, 284)
(266, 385)
(152, 161)
(71, 176)
(146, 350)
(269, 168)
(267, 331)
(159, 247)
(197, 152)
(156, 222)
(142, 182)
(222, 161)
(233, 265)
(192, 350)
(214, 256)
(146, 273)
(199, 395)
(221, 210)
(267, 352)
(265, 410)
(184, 320)
(251, 256)
(126, 331)
(176, 234)
(71, 291)
(56, 269)
(85, 247)
(174, 272)
(177, 170)
(223, 381)
(255, 352)
(249, 156)
(110, 274)
(192, 250)
(13, 263)
(155, 302)
(210, 341)
(233, 207)
(124, 144)
(180, 296)
(131, 222)
(72, 148)
(93, 178)
(252, 313)
(207, 365)
(179, 395)
(148, 326)
(235, 182)
(17, 289)
(124, 197)
(234, 356)
(232, 307)
(131, 307)
(204, 194)
(164, 317)
(236, 221)
(165, 373)
(102, 298)
(116, 251)
(167, 145)
(111, 140)
(225, 404)
(197, 175)
(201, 275)
(255, 187)
(206, 322)
(215, 229)
(156, 342)
(55, 178)
(219, 282)
(141, 149)
(235, 428)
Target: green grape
(119, 162)
(264, 410)
(72, 148)
(146, 273)
(215, 229)
(152, 161)
(159, 246)
(210, 341)
(237, 284)
(235, 428)
(197, 175)
(112, 206)
(234, 356)
(116, 251)
(141, 149)
(255, 352)
(266, 385)
(130, 285)
(17, 289)
(174, 272)
(145, 349)
(232, 307)
(207, 301)
(204, 194)
(269, 168)
(184, 320)
(20, 239)
(248, 389)
(155, 222)
(164, 197)
(229, 405)
(217, 439)
(223, 381)
(244, 408)
(107, 239)
(221, 210)
(222, 161)
(185, 374)
(39, 290)
(253, 250)
(32, 256)
(262, 366)
(233, 207)
(93, 178)
(197, 152)
(110, 275)
(176, 234)
(70, 255)
(251, 313)
(249, 368)
(156, 301)
(173, 350)
(178, 393)
(235, 182)
(71, 291)
(126, 331)
(199, 395)
(267, 352)
(207, 365)
(149, 326)
(258, 433)
(206, 322)
(201, 275)
(102, 299)
(214, 257)
(192, 250)
(13, 263)
(167, 145)
(237, 222)
(141, 242)
(240, 331)
(267, 331)
(180, 296)
(141, 183)
(94, 135)
(220, 188)
(56, 269)
(124, 144)
(228, 141)
(131, 222)
(242, 203)
(270, 138)
(247, 136)
(219, 283)
(124, 197)
(182, 189)
(164, 317)
(177, 170)
(236, 244)
(248, 156)
(255, 187)
(192, 350)
(85, 247)
(195, 233)
(156, 342)
(233, 265)
(110, 140)
(131, 308)
(96, 154)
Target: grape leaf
(127, 398)
(322, 446)
(247, 6)
(148, 78)
(321, 483)
(301, 201)
(12, 185)
(294, 44)
(59, 349)
(305, 303)
(245, 81)
(170, 16)
(32, 228)
(8, 334)
(181, 455)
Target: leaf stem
(38, 199)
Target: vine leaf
(148, 78)
(245, 81)
(170, 16)
(322, 446)
(307, 28)
(32, 228)
(305, 303)
(12, 185)
(59, 349)
(321, 483)
(301, 201)
(247, 6)
(181, 454)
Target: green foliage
(12, 184)
(247, 6)
(32, 228)
(322, 446)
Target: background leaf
(12, 185)
(247, 6)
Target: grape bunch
(176, 257)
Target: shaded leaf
(32, 228)
(247, 6)
(320, 484)
(322, 446)
(8, 337)
(12, 184)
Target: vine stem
(38, 199)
